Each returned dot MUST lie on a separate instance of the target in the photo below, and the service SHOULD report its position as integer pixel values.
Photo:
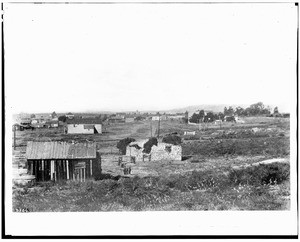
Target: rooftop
(60, 150)
(84, 121)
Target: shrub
(262, 174)
(122, 144)
(148, 145)
(62, 118)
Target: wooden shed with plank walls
(62, 160)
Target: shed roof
(84, 121)
(60, 150)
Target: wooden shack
(62, 160)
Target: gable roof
(84, 121)
(60, 150)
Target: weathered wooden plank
(67, 164)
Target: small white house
(129, 120)
(84, 126)
(189, 133)
(238, 120)
(155, 118)
(218, 121)
(70, 115)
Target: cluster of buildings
(37, 121)
(134, 117)
(86, 124)
(60, 160)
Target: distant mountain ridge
(216, 108)
(192, 109)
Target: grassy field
(204, 180)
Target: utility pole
(14, 137)
(158, 126)
(151, 126)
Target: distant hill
(192, 109)
(220, 108)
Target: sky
(117, 57)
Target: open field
(204, 180)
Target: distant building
(177, 117)
(155, 118)
(84, 126)
(38, 122)
(116, 119)
(238, 120)
(38, 125)
(25, 121)
(218, 121)
(164, 117)
(129, 120)
(61, 160)
(52, 124)
(70, 115)
(189, 133)
(121, 114)
(16, 127)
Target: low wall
(162, 151)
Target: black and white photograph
(150, 118)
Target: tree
(209, 117)
(276, 110)
(138, 118)
(225, 111)
(228, 111)
(123, 143)
(54, 115)
(32, 116)
(62, 118)
(104, 117)
(201, 115)
(256, 108)
(148, 145)
(195, 118)
(220, 116)
(239, 111)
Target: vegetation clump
(148, 145)
(123, 143)
(262, 174)
(247, 188)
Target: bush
(172, 139)
(62, 118)
(148, 145)
(123, 143)
(261, 175)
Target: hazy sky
(77, 57)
